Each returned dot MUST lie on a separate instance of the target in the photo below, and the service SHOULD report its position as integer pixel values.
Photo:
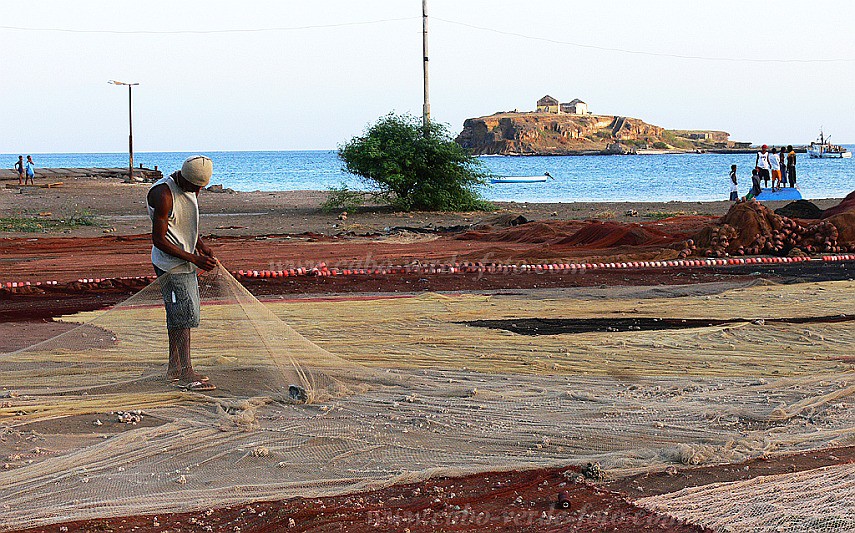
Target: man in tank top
(177, 251)
(762, 164)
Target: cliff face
(554, 134)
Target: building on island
(548, 104)
(575, 107)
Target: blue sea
(684, 177)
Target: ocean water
(684, 177)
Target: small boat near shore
(823, 149)
(521, 179)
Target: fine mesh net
(124, 350)
(398, 389)
(815, 500)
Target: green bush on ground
(414, 170)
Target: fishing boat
(521, 179)
(823, 149)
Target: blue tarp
(788, 194)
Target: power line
(202, 32)
(640, 52)
(447, 21)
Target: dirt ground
(498, 501)
(284, 230)
(119, 208)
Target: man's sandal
(196, 386)
(197, 377)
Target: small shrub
(659, 215)
(416, 169)
(344, 198)
(28, 224)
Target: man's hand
(203, 249)
(205, 262)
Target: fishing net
(322, 396)
(815, 500)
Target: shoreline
(110, 206)
(644, 151)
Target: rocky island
(570, 129)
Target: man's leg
(180, 366)
(181, 297)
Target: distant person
(775, 165)
(791, 165)
(782, 160)
(762, 164)
(734, 194)
(19, 168)
(177, 251)
(755, 183)
(31, 172)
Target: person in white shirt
(177, 252)
(762, 164)
(775, 164)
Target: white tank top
(182, 229)
(763, 160)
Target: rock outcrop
(564, 134)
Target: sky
(311, 75)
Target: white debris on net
(128, 417)
(260, 451)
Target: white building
(574, 107)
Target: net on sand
(399, 389)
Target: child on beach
(30, 170)
(755, 184)
(734, 195)
(19, 168)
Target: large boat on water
(823, 149)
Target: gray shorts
(181, 298)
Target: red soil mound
(848, 204)
(592, 233)
(608, 234)
(532, 232)
(566, 240)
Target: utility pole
(426, 107)
(130, 127)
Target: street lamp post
(130, 127)
(426, 105)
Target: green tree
(414, 171)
